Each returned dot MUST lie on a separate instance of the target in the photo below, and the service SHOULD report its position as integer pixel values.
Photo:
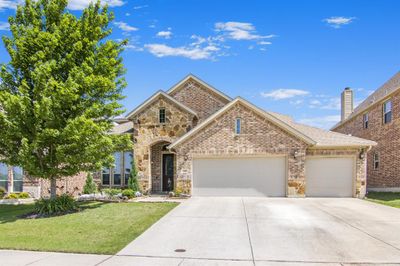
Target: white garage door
(239, 177)
(329, 177)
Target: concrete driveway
(269, 231)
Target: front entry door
(168, 172)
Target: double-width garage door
(239, 176)
(329, 177)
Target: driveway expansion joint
(248, 232)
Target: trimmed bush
(24, 195)
(11, 196)
(2, 192)
(61, 204)
(132, 180)
(112, 192)
(129, 193)
(90, 185)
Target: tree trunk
(53, 188)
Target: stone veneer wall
(388, 138)
(148, 132)
(198, 98)
(259, 137)
(361, 166)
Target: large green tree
(60, 90)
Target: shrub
(23, 195)
(90, 185)
(129, 193)
(2, 192)
(11, 196)
(112, 192)
(60, 204)
(178, 192)
(132, 180)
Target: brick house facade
(175, 131)
(199, 122)
(368, 121)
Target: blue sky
(292, 57)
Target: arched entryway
(162, 170)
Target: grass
(100, 228)
(387, 198)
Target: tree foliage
(90, 186)
(60, 90)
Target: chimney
(347, 103)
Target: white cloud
(127, 14)
(7, 4)
(264, 43)
(195, 53)
(281, 94)
(164, 34)
(239, 31)
(81, 4)
(325, 122)
(4, 26)
(124, 26)
(140, 7)
(338, 22)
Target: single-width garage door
(329, 177)
(239, 177)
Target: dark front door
(168, 172)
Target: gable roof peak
(201, 82)
(155, 96)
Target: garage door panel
(329, 177)
(239, 177)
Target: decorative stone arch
(157, 151)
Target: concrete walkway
(253, 231)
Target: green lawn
(387, 198)
(102, 228)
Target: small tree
(133, 181)
(90, 186)
(60, 91)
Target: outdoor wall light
(295, 154)
(362, 154)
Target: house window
(117, 169)
(365, 120)
(238, 126)
(106, 176)
(162, 115)
(387, 112)
(128, 159)
(3, 175)
(119, 174)
(18, 176)
(376, 161)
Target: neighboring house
(197, 140)
(377, 118)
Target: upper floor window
(376, 161)
(365, 120)
(238, 126)
(161, 115)
(387, 112)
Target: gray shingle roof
(122, 128)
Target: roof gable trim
(206, 85)
(280, 123)
(153, 98)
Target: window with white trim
(238, 126)
(365, 120)
(161, 115)
(376, 160)
(387, 112)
